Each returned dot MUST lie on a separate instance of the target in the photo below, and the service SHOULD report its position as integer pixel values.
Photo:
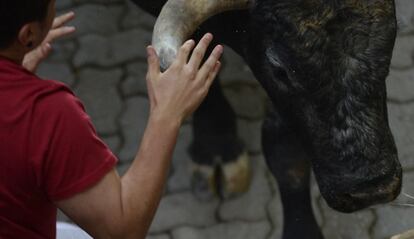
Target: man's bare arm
(124, 207)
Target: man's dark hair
(15, 13)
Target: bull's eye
(273, 58)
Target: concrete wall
(104, 63)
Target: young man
(50, 155)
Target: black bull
(323, 64)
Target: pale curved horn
(179, 19)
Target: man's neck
(13, 53)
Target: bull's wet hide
(325, 71)
(323, 64)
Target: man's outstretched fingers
(213, 74)
(59, 32)
(62, 20)
(210, 63)
(200, 51)
(184, 52)
(153, 62)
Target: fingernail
(209, 36)
(220, 49)
(48, 46)
(149, 51)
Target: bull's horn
(179, 19)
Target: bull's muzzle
(348, 191)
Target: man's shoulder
(16, 80)
(58, 97)
(23, 92)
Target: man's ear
(27, 35)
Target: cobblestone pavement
(105, 65)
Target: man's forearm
(143, 184)
(124, 208)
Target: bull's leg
(220, 162)
(288, 162)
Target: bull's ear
(180, 18)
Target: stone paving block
(183, 209)
(94, 18)
(131, 44)
(135, 17)
(393, 219)
(165, 236)
(407, 188)
(122, 167)
(250, 133)
(93, 49)
(113, 142)
(56, 71)
(275, 211)
(63, 4)
(98, 91)
(346, 226)
(135, 82)
(401, 118)
(62, 51)
(109, 51)
(400, 85)
(247, 101)
(403, 54)
(180, 179)
(405, 15)
(252, 205)
(133, 122)
(235, 70)
(239, 230)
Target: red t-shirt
(49, 151)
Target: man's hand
(32, 59)
(177, 92)
(129, 203)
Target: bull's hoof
(237, 176)
(406, 235)
(202, 181)
(224, 181)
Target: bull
(323, 64)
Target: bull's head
(354, 155)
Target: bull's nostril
(359, 196)
(382, 189)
